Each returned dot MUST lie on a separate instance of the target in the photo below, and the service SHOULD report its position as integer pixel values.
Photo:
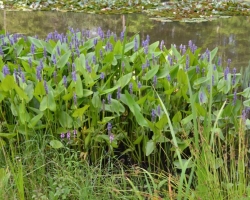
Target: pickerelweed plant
(169, 108)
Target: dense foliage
(113, 96)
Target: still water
(231, 35)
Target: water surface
(231, 35)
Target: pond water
(231, 35)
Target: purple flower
(219, 61)
(111, 137)
(68, 135)
(74, 76)
(108, 34)
(147, 63)
(55, 75)
(183, 49)
(23, 77)
(122, 35)
(46, 87)
(197, 69)
(38, 73)
(30, 62)
(88, 67)
(169, 77)
(155, 80)
(139, 85)
(131, 88)
(148, 39)
(226, 71)
(54, 59)
(161, 45)
(235, 97)
(208, 55)
(201, 97)
(62, 135)
(214, 67)
(119, 93)
(146, 49)
(94, 59)
(153, 115)
(234, 76)
(190, 44)
(102, 75)
(170, 60)
(32, 49)
(101, 54)
(73, 67)
(5, 70)
(95, 41)
(65, 83)
(244, 115)
(75, 99)
(187, 62)
(109, 127)
(109, 98)
(41, 63)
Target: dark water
(231, 35)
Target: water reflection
(232, 35)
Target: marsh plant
(180, 110)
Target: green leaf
(78, 86)
(150, 147)
(124, 80)
(56, 144)
(34, 120)
(96, 101)
(21, 93)
(8, 83)
(134, 108)
(64, 119)
(51, 102)
(80, 111)
(8, 135)
(150, 74)
(63, 59)
(105, 120)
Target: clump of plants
(111, 96)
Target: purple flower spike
(94, 59)
(109, 98)
(235, 97)
(234, 76)
(62, 135)
(88, 67)
(65, 81)
(75, 99)
(102, 76)
(74, 76)
(155, 80)
(73, 67)
(109, 127)
(68, 135)
(46, 87)
(54, 59)
(23, 77)
(197, 69)
(111, 137)
(219, 61)
(187, 62)
(131, 88)
(38, 73)
(6, 70)
(122, 35)
(226, 71)
(169, 77)
(139, 85)
(32, 49)
(148, 39)
(119, 93)
(30, 62)
(201, 97)
(95, 41)
(153, 115)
